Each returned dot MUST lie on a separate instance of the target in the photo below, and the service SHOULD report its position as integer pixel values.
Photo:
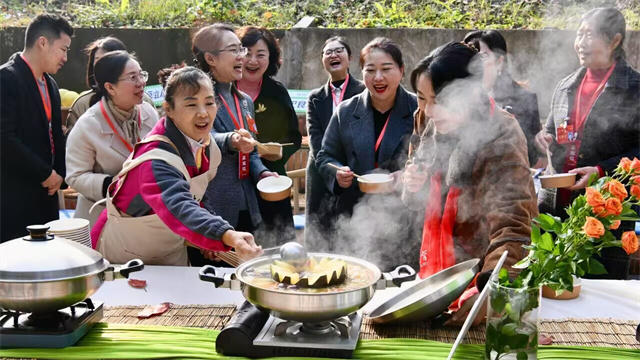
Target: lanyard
(253, 98)
(380, 137)
(238, 124)
(46, 102)
(580, 118)
(110, 123)
(342, 91)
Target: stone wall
(540, 57)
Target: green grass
(466, 14)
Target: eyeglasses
(143, 76)
(241, 50)
(337, 51)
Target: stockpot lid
(42, 257)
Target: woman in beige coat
(104, 136)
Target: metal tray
(431, 296)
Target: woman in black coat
(320, 204)
(370, 133)
(276, 121)
(508, 94)
(595, 118)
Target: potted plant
(558, 251)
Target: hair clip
(470, 46)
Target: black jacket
(319, 112)
(523, 105)
(26, 151)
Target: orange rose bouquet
(559, 250)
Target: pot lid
(42, 257)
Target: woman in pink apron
(154, 204)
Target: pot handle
(211, 274)
(395, 278)
(123, 271)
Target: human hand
(585, 174)
(344, 176)
(265, 174)
(242, 141)
(414, 179)
(542, 141)
(53, 182)
(460, 316)
(243, 243)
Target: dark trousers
(244, 224)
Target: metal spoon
(294, 254)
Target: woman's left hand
(265, 174)
(460, 316)
(585, 174)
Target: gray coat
(226, 192)
(350, 140)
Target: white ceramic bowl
(275, 188)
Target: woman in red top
(595, 117)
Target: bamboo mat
(567, 332)
(213, 317)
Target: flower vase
(512, 322)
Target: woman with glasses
(105, 135)
(367, 134)
(95, 50)
(322, 103)
(508, 94)
(276, 121)
(232, 193)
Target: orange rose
(629, 242)
(616, 189)
(612, 206)
(594, 197)
(635, 191)
(625, 164)
(635, 166)
(599, 211)
(614, 225)
(635, 180)
(593, 227)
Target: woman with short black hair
(510, 95)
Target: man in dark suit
(32, 169)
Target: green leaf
(535, 233)
(509, 329)
(593, 178)
(596, 267)
(549, 223)
(546, 242)
(522, 355)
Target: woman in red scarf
(469, 171)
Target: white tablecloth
(181, 285)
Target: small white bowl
(275, 188)
(556, 181)
(376, 183)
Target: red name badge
(243, 165)
(565, 134)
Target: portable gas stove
(253, 333)
(58, 329)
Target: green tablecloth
(117, 341)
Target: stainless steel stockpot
(42, 273)
(307, 307)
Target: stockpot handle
(211, 274)
(395, 278)
(123, 271)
